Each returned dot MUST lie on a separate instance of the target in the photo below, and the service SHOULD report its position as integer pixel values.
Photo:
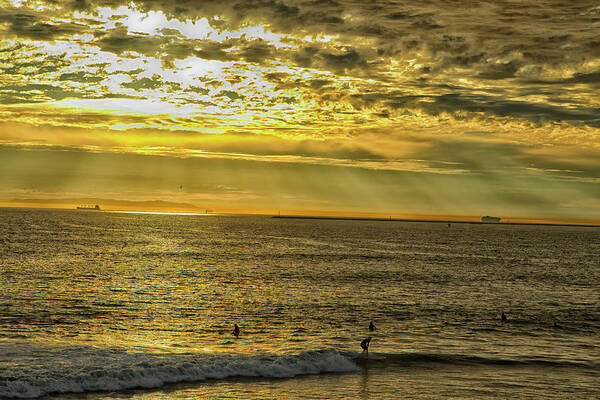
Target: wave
(29, 372)
(80, 369)
(414, 359)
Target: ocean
(108, 305)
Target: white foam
(81, 369)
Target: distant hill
(105, 204)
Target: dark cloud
(80, 77)
(505, 23)
(29, 24)
(41, 93)
(174, 46)
(398, 15)
(211, 50)
(591, 78)
(347, 60)
(534, 112)
(176, 49)
(51, 64)
(499, 70)
(479, 105)
(257, 51)
(278, 10)
(37, 64)
(145, 83)
(80, 5)
(319, 83)
(120, 96)
(195, 89)
(232, 95)
(304, 56)
(277, 76)
(33, 93)
(393, 100)
(119, 40)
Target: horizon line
(443, 221)
(333, 215)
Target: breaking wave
(78, 369)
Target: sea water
(104, 305)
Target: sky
(439, 107)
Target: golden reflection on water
(166, 286)
(167, 213)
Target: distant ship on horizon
(487, 218)
(95, 207)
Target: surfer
(371, 327)
(236, 330)
(365, 345)
(503, 317)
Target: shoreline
(440, 221)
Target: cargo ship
(487, 218)
(95, 207)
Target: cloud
(257, 51)
(590, 78)
(81, 77)
(34, 68)
(499, 70)
(145, 83)
(476, 106)
(348, 59)
(212, 50)
(536, 113)
(33, 93)
(24, 23)
(118, 40)
(232, 95)
(370, 85)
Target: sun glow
(205, 214)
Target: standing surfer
(365, 345)
(236, 330)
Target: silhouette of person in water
(504, 319)
(236, 330)
(371, 327)
(365, 345)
